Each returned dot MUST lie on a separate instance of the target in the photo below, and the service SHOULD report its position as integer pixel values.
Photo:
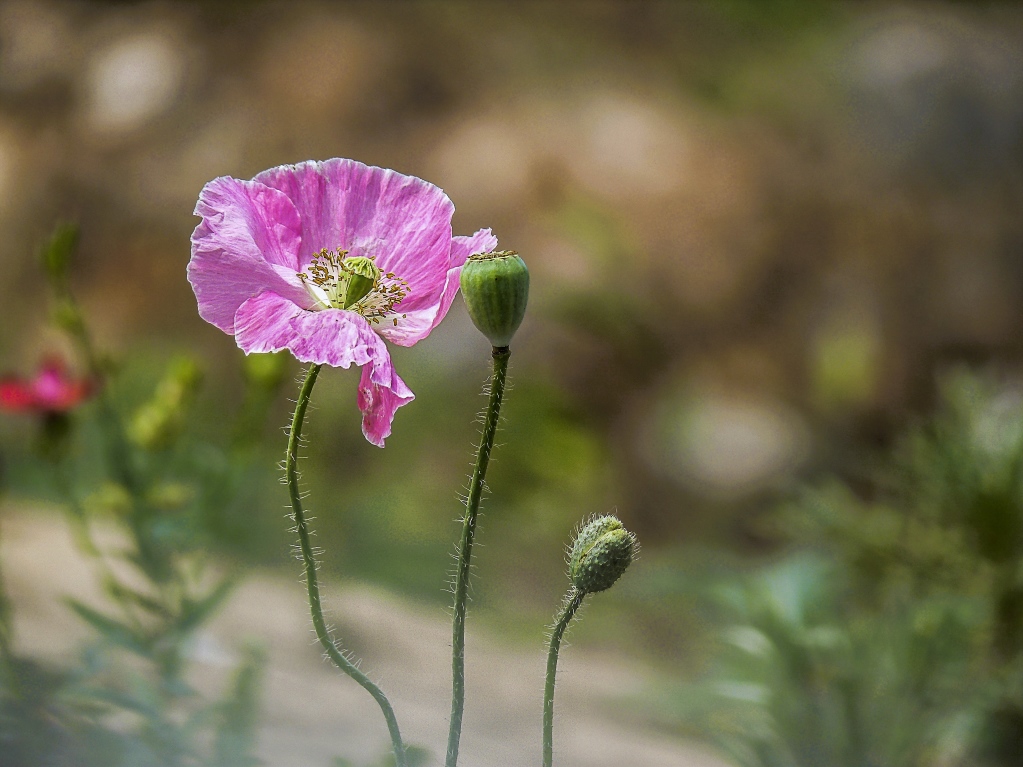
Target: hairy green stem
(323, 633)
(572, 602)
(472, 507)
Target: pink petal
(401, 221)
(483, 241)
(269, 323)
(417, 327)
(264, 323)
(381, 393)
(247, 242)
(333, 337)
(411, 328)
(462, 247)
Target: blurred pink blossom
(52, 390)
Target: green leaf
(238, 714)
(193, 613)
(111, 629)
(118, 699)
(122, 594)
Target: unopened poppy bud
(495, 287)
(362, 276)
(602, 551)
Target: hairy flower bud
(495, 287)
(602, 551)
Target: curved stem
(572, 602)
(472, 506)
(323, 633)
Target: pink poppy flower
(51, 391)
(327, 260)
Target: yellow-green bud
(55, 255)
(602, 551)
(495, 287)
(170, 495)
(156, 424)
(267, 371)
(110, 498)
(362, 276)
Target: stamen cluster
(337, 280)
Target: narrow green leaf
(238, 714)
(193, 612)
(111, 629)
(122, 593)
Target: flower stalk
(572, 602)
(323, 632)
(600, 554)
(500, 356)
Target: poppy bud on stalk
(602, 551)
(495, 287)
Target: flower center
(339, 281)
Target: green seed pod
(362, 277)
(602, 551)
(495, 287)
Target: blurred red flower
(52, 390)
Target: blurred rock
(132, 80)
(485, 162)
(621, 146)
(722, 444)
(320, 65)
(942, 95)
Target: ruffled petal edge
(269, 322)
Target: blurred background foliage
(144, 499)
(890, 631)
(760, 234)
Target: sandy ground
(312, 714)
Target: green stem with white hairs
(572, 602)
(472, 506)
(323, 632)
